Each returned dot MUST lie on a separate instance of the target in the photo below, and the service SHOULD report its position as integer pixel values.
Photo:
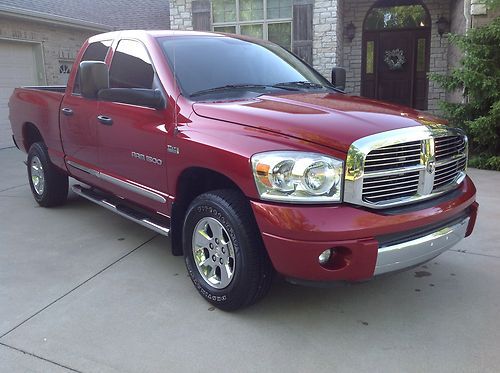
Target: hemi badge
(173, 149)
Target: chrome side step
(124, 211)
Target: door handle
(105, 120)
(67, 111)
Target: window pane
(131, 67)
(279, 9)
(281, 34)
(421, 55)
(208, 62)
(95, 52)
(224, 10)
(252, 30)
(226, 29)
(251, 10)
(370, 56)
(403, 16)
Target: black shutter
(201, 15)
(302, 41)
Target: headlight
(298, 177)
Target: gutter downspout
(467, 15)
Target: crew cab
(248, 159)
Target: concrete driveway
(84, 290)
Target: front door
(395, 55)
(133, 139)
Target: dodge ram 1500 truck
(248, 158)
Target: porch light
(443, 26)
(350, 31)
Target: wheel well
(191, 183)
(31, 134)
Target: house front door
(395, 55)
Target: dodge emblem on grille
(431, 167)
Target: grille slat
(377, 198)
(397, 188)
(379, 183)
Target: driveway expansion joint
(473, 253)
(40, 357)
(13, 187)
(78, 286)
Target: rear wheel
(223, 250)
(48, 184)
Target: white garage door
(18, 67)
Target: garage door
(17, 68)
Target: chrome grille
(404, 166)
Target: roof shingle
(119, 14)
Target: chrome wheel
(37, 175)
(213, 253)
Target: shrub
(478, 76)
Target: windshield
(208, 66)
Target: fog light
(324, 257)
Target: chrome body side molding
(133, 187)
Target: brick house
(39, 39)
(386, 46)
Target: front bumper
(367, 242)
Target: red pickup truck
(248, 158)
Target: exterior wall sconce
(350, 31)
(443, 26)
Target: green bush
(478, 76)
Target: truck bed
(38, 107)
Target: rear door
(78, 120)
(132, 138)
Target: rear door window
(131, 66)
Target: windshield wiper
(239, 86)
(299, 85)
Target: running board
(124, 211)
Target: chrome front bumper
(410, 253)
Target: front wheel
(48, 184)
(223, 250)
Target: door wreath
(395, 59)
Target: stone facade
(180, 15)
(325, 35)
(330, 47)
(58, 45)
(356, 12)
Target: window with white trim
(264, 19)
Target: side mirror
(152, 98)
(339, 78)
(94, 76)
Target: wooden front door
(395, 62)
(395, 67)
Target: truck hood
(329, 119)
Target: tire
(220, 232)
(49, 185)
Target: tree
(478, 76)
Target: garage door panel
(18, 67)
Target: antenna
(176, 128)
